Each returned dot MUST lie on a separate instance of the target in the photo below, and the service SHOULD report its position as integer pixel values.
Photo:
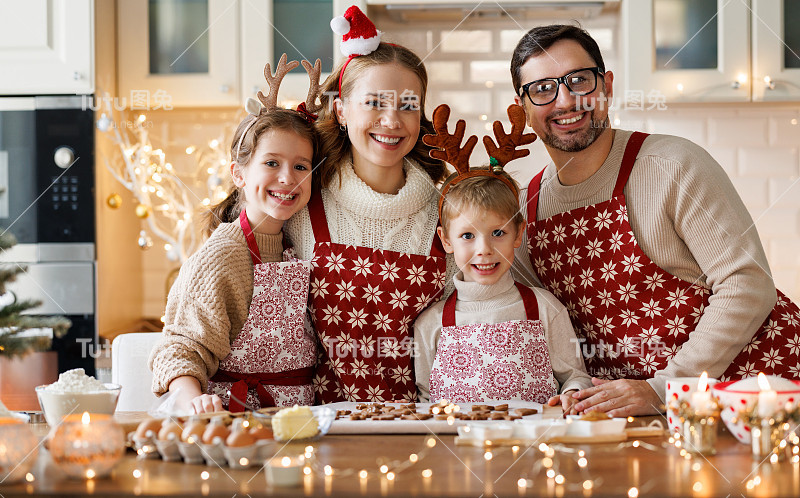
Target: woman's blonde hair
(482, 193)
(335, 142)
(242, 149)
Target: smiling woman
(372, 223)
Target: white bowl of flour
(76, 392)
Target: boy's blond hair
(484, 193)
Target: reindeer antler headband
(448, 147)
(270, 101)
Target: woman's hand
(567, 401)
(619, 398)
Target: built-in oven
(47, 203)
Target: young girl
(493, 338)
(234, 332)
(371, 228)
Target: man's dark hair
(539, 39)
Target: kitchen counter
(652, 466)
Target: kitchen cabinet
(711, 50)
(46, 47)
(178, 52)
(205, 53)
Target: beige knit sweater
(499, 303)
(688, 218)
(207, 306)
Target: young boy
(493, 338)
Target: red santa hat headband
(448, 147)
(359, 36)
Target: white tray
(429, 426)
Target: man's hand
(619, 398)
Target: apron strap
(532, 203)
(242, 382)
(437, 249)
(449, 312)
(255, 254)
(628, 159)
(528, 299)
(319, 222)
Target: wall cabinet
(213, 52)
(712, 50)
(46, 47)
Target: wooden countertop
(654, 467)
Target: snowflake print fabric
(503, 361)
(273, 339)
(364, 305)
(630, 315)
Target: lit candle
(87, 446)
(767, 398)
(701, 398)
(285, 471)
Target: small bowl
(323, 415)
(58, 404)
(487, 430)
(544, 429)
(733, 401)
(593, 428)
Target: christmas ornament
(114, 201)
(145, 242)
(142, 211)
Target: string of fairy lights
(169, 203)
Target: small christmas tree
(13, 341)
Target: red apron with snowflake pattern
(271, 362)
(493, 361)
(363, 301)
(631, 315)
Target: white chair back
(129, 369)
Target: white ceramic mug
(681, 389)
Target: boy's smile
(483, 244)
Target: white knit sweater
(357, 215)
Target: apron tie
(242, 382)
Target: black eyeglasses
(578, 82)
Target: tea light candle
(87, 446)
(767, 398)
(18, 449)
(285, 471)
(702, 397)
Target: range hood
(432, 10)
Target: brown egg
(215, 430)
(240, 438)
(262, 432)
(170, 427)
(148, 428)
(194, 429)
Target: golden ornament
(142, 211)
(114, 201)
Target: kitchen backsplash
(468, 69)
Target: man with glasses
(643, 238)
